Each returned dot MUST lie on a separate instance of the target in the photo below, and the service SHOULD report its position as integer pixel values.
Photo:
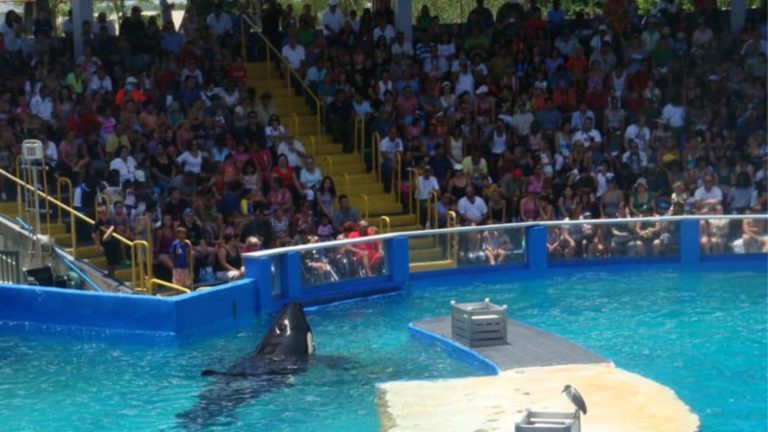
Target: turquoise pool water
(702, 334)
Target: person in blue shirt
(180, 258)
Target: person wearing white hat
(333, 19)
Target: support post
(403, 16)
(82, 10)
(536, 247)
(260, 270)
(396, 250)
(690, 249)
(290, 277)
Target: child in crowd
(181, 264)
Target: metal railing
(359, 140)
(345, 176)
(10, 267)
(376, 155)
(25, 175)
(385, 224)
(432, 213)
(364, 197)
(139, 278)
(397, 176)
(271, 50)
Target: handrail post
(295, 125)
(397, 177)
(19, 194)
(356, 135)
(433, 206)
(414, 200)
(312, 143)
(411, 190)
(384, 221)
(191, 261)
(330, 165)
(376, 155)
(362, 139)
(365, 204)
(345, 176)
(106, 203)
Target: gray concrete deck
(526, 346)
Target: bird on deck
(575, 397)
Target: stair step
(426, 255)
(86, 252)
(430, 266)
(416, 243)
(398, 219)
(354, 179)
(63, 240)
(406, 228)
(340, 169)
(319, 139)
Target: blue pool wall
(236, 305)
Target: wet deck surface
(526, 346)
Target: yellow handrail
(153, 282)
(415, 194)
(356, 134)
(271, 48)
(411, 190)
(314, 146)
(66, 181)
(330, 165)
(384, 221)
(365, 205)
(22, 214)
(191, 261)
(295, 125)
(77, 215)
(376, 156)
(397, 177)
(345, 176)
(453, 242)
(362, 139)
(433, 199)
(139, 261)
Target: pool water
(702, 334)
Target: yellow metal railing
(327, 160)
(359, 139)
(397, 176)
(453, 241)
(313, 145)
(144, 284)
(376, 156)
(385, 225)
(60, 194)
(101, 199)
(345, 176)
(364, 197)
(153, 282)
(272, 51)
(432, 213)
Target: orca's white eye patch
(310, 343)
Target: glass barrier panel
(726, 237)
(276, 268)
(490, 247)
(630, 239)
(325, 265)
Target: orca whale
(284, 352)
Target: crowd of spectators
(518, 115)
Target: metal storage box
(540, 421)
(479, 324)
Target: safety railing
(345, 176)
(328, 161)
(60, 193)
(432, 213)
(376, 155)
(101, 199)
(176, 289)
(385, 224)
(397, 176)
(138, 283)
(313, 145)
(10, 267)
(453, 243)
(271, 50)
(295, 124)
(359, 140)
(364, 197)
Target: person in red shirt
(131, 90)
(371, 253)
(237, 72)
(535, 23)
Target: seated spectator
(370, 254)
(229, 263)
(472, 208)
(707, 196)
(345, 213)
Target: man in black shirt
(175, 205)
(340, 120)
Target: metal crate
(479, 324)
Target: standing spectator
(181, 264)
(333, 19)
(102, 233)
(219, 23)
(389, 147)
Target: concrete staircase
(348, 171)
